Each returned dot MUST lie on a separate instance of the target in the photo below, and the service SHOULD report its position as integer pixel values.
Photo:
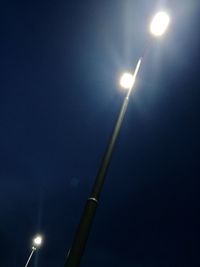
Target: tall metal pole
(84, 227)
(30, 256)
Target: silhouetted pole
(84, 227)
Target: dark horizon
(60, 64)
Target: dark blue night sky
(60, 63)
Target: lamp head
(37, 241)
(159, 23)
(127, 80)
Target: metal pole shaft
(84, 227)
(30, 256)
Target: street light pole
(158, 27)
(30, 256)
(84, 227)
(36, 243)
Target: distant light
(127, 80)
(160, 23)
(37, 241)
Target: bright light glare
(127, 80)
(37, 241)
(159, 23)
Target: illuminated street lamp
(127, 80)
(159, 23)
(158, 27)
(36, 243)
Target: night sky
(60, 64)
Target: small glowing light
(159, 23)
(127, 80)
(37, 241)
